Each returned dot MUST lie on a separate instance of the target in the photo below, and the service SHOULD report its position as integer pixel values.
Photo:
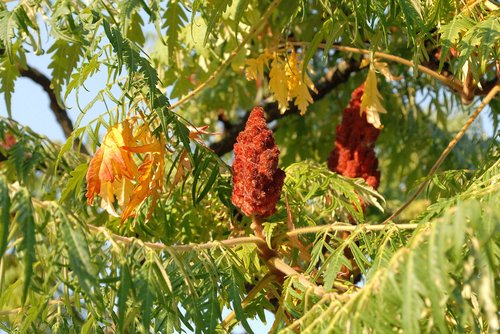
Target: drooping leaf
(24, 215)
(278, 84)
(65, 57)
(254, 69)
(8, 24)
(113, 173)
(174, 19)
(371, 100)
(9, 74)
(80, 259)
(123, 290)
(234, 295)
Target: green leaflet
(65, 57)
(8, 75)
(450, 34)
(146, 292)
(4, 215)
(174, 19)
(234, 290)
(68, 146)
(75, 182)
(24, 216)
(218, 7)
(308, 184)
(80, 260)
(123, 291)
(205, 173)
(128, 9)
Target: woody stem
(264, 249)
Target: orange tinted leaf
(93, 181)
(154, 147)
(117, 162)
(183, 167)
(141, 190)
(113, 173)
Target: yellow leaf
(370, 101)
(255, 67)
(278, 84)
(114, 175)
(107, 198)
(292, 73)
(120, 189)
(303, 97)
(111, 161)
(299, 83)
(364, 62)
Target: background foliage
(66, 266)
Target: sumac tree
(360, 195)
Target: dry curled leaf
(114, 175)
(371, 100)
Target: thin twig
(445, 153)
(275, 264)
(279, 265)
(348, 228)
(450, 82)
(179, 248)
(255, 29)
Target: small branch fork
(259, 242)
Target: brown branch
(451, 82)
(428, 68)
(335, 76)
(446, 151)
(60, 112)
(345, 228)
(179, 248)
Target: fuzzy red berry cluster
(354, 153)
(257, 180)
